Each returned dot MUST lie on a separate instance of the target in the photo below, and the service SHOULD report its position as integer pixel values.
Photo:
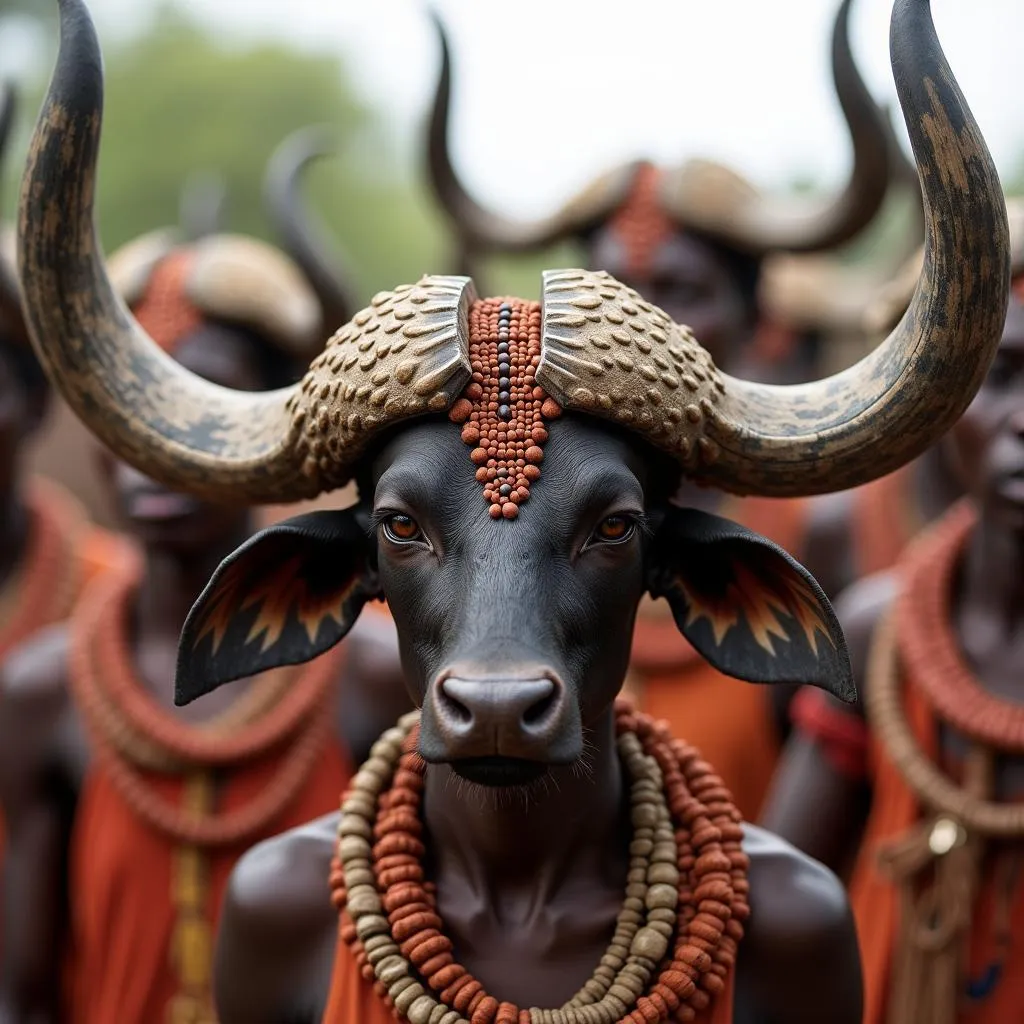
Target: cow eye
(401, 529)
(614, 530)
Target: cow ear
(749, 608)
(288, 594)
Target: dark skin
(528, 889)
(23, 400)
(693, 281)
(818, 809)
(44, 753)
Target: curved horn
(202, 205)
(822, 292)
(10, 297)
(324, 269)
(752, 222)
(148, 409)
(885, 410)
(483, 229)
(903, 172)
(783, 441)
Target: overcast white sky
(746, 81)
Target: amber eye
(615, 529)
(401, 529)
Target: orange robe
(730, 721)
(894, 811)
(121, 965)
(90, 551)
(884, 522)
(353, 1001)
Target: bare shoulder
(799, 960)
(860, 608)
(34, 674)
(34, 702)
(827, 550)
(275, 944)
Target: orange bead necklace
(132, 732)
(675, 940)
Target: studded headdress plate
(503, 370)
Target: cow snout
(520, 719)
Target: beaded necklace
(676, 935)
(287, 711)
(926, 640)
(42, 588)
(133, 733)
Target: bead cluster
(43, 588)
(676, 935)
(135, 735)
(641, 223)
(914, 646)
(165, 312)
(503, 410)
(929, 647)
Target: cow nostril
(458, 711)
(542, 706)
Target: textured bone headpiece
(232, 278)
(593, 346)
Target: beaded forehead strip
(502, 409)
(503, 369)
(641, 223)
(165, 311)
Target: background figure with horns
(48, 549)
(133, 811)
(693, 241)
(926, 787)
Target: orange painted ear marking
(749, 608)
(287, 595)
(758, 595)
(275, 595)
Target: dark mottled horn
(323, 266)
(888, 408)
(202, 205)
(146, 407)
(828, 435)
(756, 223)
(481, 228)
(10, 297)
(903, 174)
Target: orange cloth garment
(353, 1001)
(884, 521)
(120, 968)
(730, 721)
(89, 551)
(875, 901)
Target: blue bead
(983, 986)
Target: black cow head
(514, 635)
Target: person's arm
(798, 962)
(820, 796)
(275, 944)
(35, 796)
